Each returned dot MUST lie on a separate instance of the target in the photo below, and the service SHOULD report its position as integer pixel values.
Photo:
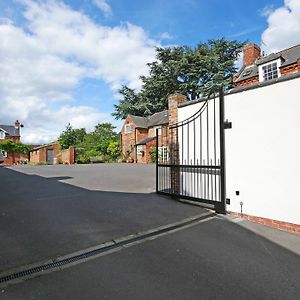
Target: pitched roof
(288, 56)
(145, 140)
(140, 122)
(159, 118)
(10, 130)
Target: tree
(191, 72)
(113, 149)
(100, 138)
(71, 137)
(103, 141)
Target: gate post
(156, 157)
(173, 101)
(221, 208)
(175, 162)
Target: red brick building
(258, 68)
(138, 136)
(52, 154)
(11, 133)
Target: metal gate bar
(195, 165)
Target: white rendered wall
(263, 150)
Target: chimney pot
(17, 124)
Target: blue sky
(63, 61)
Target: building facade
(138, 137)
(11, 133)
(260, 68)
(51, 154)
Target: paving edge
(17, 275)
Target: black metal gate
(190, 156)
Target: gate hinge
(227, 125)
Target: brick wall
(294, 68)
(12, 158)
(128, 139)
(269, 222)
(173, 101)
(67, 156)
(34, 156)
(40, 155)
(246, 82)
(149, 146)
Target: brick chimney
(17, 124)
(251, 53)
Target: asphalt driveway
(49, 211)
(215, 259)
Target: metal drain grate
(116, 245)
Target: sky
(63, 61)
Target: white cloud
(104, 6)
(267, 10)
(166, 36)
(38, 128)
(283, 27)
(42, 64)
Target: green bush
(152, 153)
(91, 153)
(82, 160)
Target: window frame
(4, 153)
(126, 130)
(140, 149)
(262, 73)
(163, 154)
(159, 130)
(2, 134)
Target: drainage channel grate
(88, 254)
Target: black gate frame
(170, 171)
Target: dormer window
(269, 70)
(2, 135)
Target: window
(159, 130)
(269, 71)
(128, 128)
(2, 135)
(139, 149)
(4, 153)
(163, 154)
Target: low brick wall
(295, 228)
(67, 156)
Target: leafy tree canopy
(103, 141)
(193, 72)
(71, 137)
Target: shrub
(152, 153)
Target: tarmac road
(50, 211)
